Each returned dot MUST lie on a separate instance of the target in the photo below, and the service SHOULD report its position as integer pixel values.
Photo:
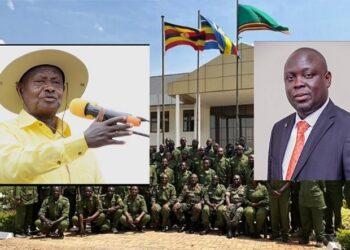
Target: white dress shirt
(311, 120)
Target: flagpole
(238, 130)
(163, 111)
(197, 90)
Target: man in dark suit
(314, 142)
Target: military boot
(191, 228)
(182, 226)
(229, 232)
(205, 230)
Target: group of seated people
(238, 209)
(198, 189)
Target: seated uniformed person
(89, 210)
(257, 200)
(234, 206)
(135, 210)
(189, 202)
(163, 198)
(53, 214)
(112, 205)
(214, 198)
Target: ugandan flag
(176, 35)
(251, 18)
(216, 38)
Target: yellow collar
(24, 119)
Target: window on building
(154, 122)
(188, 120)
(247, 127)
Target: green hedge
(7, 221)
(344, 238)
(344, 234)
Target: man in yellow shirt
(37, 147)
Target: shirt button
(40, 124)
(59, 162)
(79, 153)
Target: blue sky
(138, 21)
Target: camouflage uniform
(135, 208)
(54, 210)
(334, 203)
(312, 205)
(162, 195)
(189, 164)
(192, 152)
(205, 176)
(240, 166)
(214, 195)
(182, 180)
(258, 214)
(112, 218)
(190, 199)
(158, 157)
(234, 213)
(279, 207)
(248, 150)
(26, 197)
(176, 154)
(88, 207)
(248, 176)
(168, 171)
(197, 164)
(153, 178)
(222, 169)
(210, 153)
(172, 164)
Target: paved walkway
(150, 240)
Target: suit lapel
(323, 123)
(286, 132)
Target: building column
(177, 119)
(199, 119)
(195, 120)
(158, 126)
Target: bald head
(306, 79)
(305, 51)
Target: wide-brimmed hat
(75, 73)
